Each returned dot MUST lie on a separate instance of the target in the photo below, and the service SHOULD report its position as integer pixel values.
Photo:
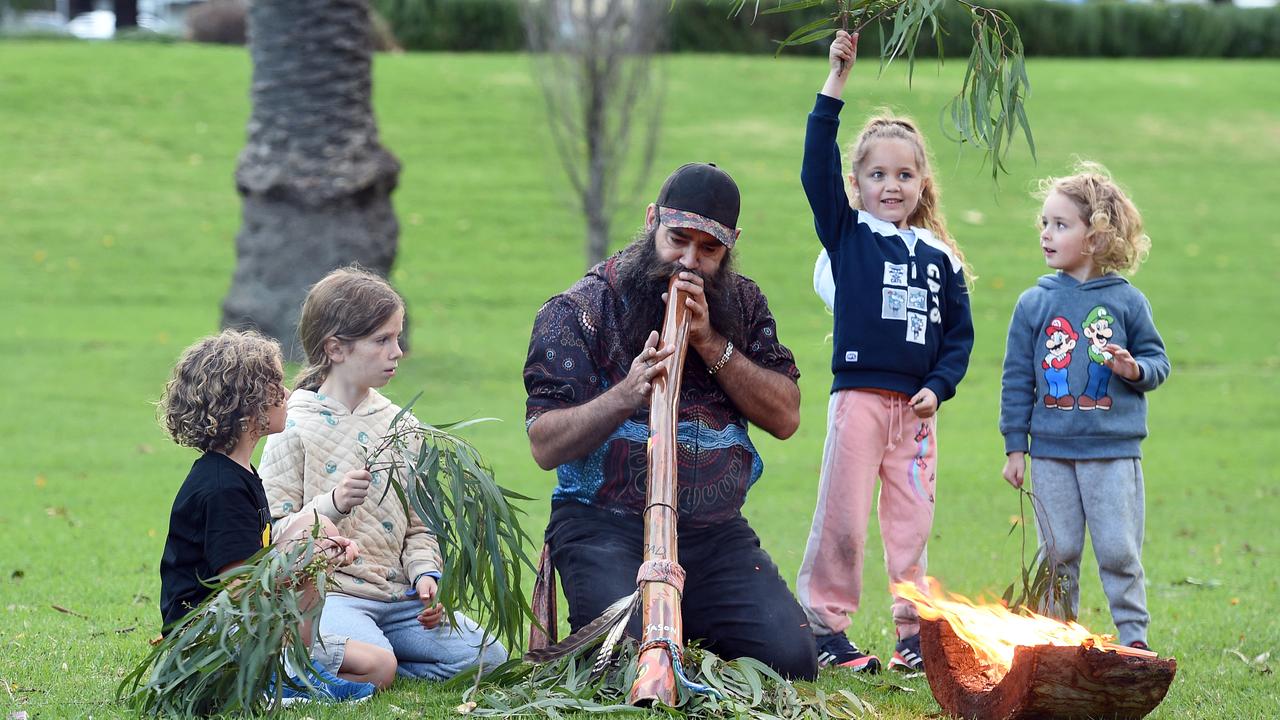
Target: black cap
(703, 197)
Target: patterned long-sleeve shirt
(577, 352)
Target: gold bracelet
(724, 359)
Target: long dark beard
(643, 278)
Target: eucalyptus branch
(226, 656)
(991, 105)
(746, 688)
(449, 486)
(1042, 584)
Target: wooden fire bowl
(1046, 681)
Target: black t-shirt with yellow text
(219, 517)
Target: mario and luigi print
(1060, 340)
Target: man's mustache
(664, 272)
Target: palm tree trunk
(314, 180)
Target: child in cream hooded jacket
(322, 440)
(376, 599)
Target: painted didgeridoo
(660, 575)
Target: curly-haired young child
(226, 393)
(1058, 402)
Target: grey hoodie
(1056, 389)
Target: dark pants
(734, 602)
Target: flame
(992, 630)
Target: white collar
(886, 229)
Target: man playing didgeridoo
(592, 360)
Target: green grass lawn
(117, 222)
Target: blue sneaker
(836, 651)
(326, 687)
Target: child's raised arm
(820, 172)
(843, 53)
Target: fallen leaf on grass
(1196, 582)
(61, 512)
(466, 708)
(20, 715)
(1258, 663)
(61, 609)
(118, 631)
(17, 575)
(886, 684)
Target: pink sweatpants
(869, 434)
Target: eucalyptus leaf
(221, 657)
(991, 102)
(450, 487)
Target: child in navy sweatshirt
(903, 333)
(1082, 353)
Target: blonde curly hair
(1115, 236)
(222, 385)
(885, 125)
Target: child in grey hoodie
(1082, 353)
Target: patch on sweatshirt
(895, 274)
(916, 323)
(918, 299)
(893, 306)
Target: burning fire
(992, 630)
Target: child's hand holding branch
(1015, 469)
(843, 53)
(352, 490)
(432, 611)
(338, 550)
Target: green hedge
(492, 25)
(1095, 29)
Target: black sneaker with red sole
(906, 656)
(836, 651)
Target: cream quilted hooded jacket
(301, 466)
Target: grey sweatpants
(1106, 495)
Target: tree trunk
(1045, 682)
(126, 13)
(595, 197)
(315, 181)
(592, 58)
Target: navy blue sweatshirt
(902, 309)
